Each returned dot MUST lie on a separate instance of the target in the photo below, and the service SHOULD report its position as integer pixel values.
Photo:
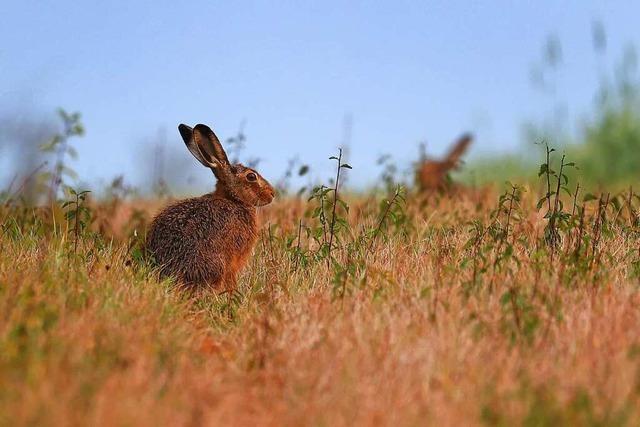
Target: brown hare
(205, 241)
(432, 175)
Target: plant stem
(511, 199)
(25, 181)
(295, 266)
(59, 166)
(335, 205)
(383, 218)
(76, 231)
(552, 220)
(323, 218)
(548, 179)
(575, 199)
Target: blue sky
(406, 72)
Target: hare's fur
(432, 175)
(205, 241)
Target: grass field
(467, 309)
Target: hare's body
(433, 174)
(205, 241)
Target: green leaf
(505, 298)
(346, 166)
(588, 197)
(543, 169)
(50, 146)
(541, 202)
(508, 251)
(69, 172)
(78, 129)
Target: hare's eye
(252, 177)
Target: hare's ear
(459, 148)
(209, 145)
(187, 136)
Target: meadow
(468, 307)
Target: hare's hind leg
(205, 272)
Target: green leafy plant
(337, 221)
(556, 181)
(329, 212)
(77, 214)
(392, 213)
(60, 147)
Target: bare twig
(25, 181)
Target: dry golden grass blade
(413, 340)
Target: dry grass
(412, 340)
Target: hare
(433, 174)
(205, 241)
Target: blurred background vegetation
(606, 143)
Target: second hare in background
(205, 241)
(433, 175)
